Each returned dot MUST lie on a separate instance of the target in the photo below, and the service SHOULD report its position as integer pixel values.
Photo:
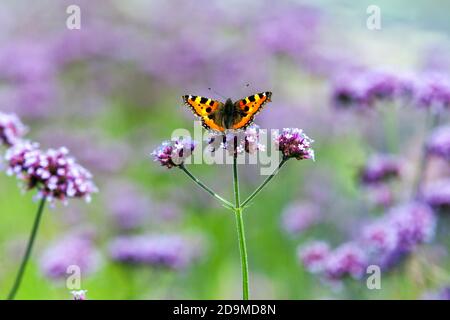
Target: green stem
(255, 193)
(26, 257)
(240, 231)
(243, 253)
(226, 203)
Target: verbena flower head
(348, 259)
(437, 194)
(54, 174)
(438, 143)
(433, 91)
(74, 249)
(11, 129)
(314, 256)
(380, 168)
(293, 143)
(414, 223)
(170, 251)
(298, 217)
(173, 153)
(238, 142)
(79, 294)
(380, 237)
(363, 88)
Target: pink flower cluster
(55, 174)
(383, 242)
(11, 129)
(173, 153)
(293, 143)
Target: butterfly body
(230, 115)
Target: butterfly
(219, 116)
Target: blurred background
(373, 101)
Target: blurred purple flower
(87, 43)
(73, 250)
(288, 29)
(348, 259)
(314, 256)
(173, 153)
(79, 294)
(127, 206)
(433, 91)
(380, 168)
(399, 232)
(364, 88)
(11, 129)
(28, 69)
(26, 62)
(382, 242)
(293, 143)
(53, 173)
(437, 194)
(442, 294)
(380, 238)
(170, 251)
(438, 143)
(414, 222)
(299, 216)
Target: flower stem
(243, 253)
(226, 203)
(255, 193)
(240, 231)
(26, 257)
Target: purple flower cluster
(383, 242)
(347, 260)
(298, 217)
(364, 88)
(28, 68)
(170, 251)
(73, 250)
(79, 294)
(293, 143)
(399, 232)
(437, 194)
(288, 29)
(438, 143)
(433, 91)
(314, 255)
(380, 168)
(237, 142)
(55, 174)
(12, 129)
(173, 153)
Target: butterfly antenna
(210, 89)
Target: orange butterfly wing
(205, 109)
(249, 107)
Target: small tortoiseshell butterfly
(220, 116)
